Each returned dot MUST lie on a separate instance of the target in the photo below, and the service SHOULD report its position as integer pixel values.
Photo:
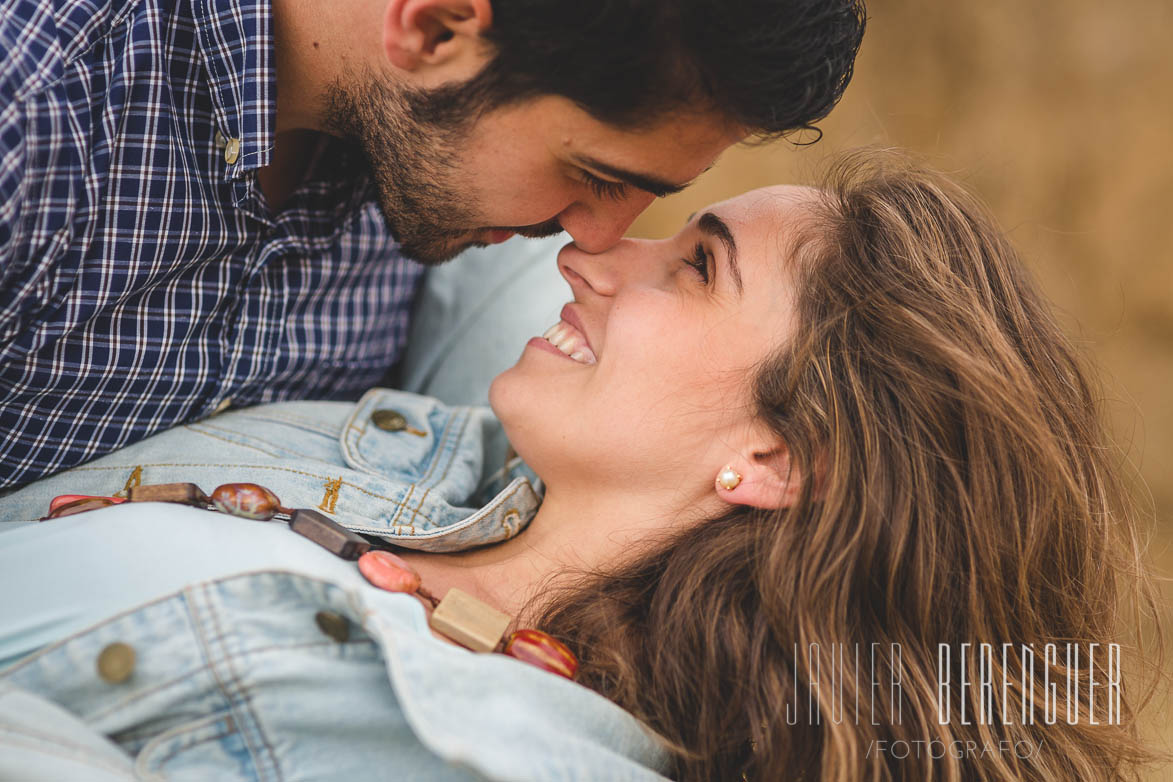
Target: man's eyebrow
(652, 184)
(715, 226)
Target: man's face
(534, 168)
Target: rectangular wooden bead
(468, 621)
(328, 534)
(183, 493)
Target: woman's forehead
(769, 219)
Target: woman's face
(646, 381)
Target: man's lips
(500, 233)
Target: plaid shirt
(144, 281)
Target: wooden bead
(328, 534)
(246, 500)
(182, 493)
(469, 622)
(544, 651)
(387, 571)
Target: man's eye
(699, 260)
(604, 188)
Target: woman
(813, 452)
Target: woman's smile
(569, 337)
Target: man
(214, 203)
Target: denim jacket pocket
(441, 452)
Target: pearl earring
(729, 478)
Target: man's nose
(597, 225)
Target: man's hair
(771, 66)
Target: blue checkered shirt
(144, 280)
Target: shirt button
(219, 140)
(116, 663)
(225, 403)
(231, 150)
(334, 625)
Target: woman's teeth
(570, 341)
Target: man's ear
(433, 32)
(768, 479)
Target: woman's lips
(498, 235)
(569, 341)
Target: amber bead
(544, 651)
(246, 500)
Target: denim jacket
(257, 655)
(419, 473)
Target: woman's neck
(562, 541)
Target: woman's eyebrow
(715, 226)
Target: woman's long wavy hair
(964, 493)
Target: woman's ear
(766, 479)
(433, 32)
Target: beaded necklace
(459, 616)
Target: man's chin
(434, 253)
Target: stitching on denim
(330, 499)
(466, 417)
(402, 506)
(312, 644)
(47, 650)
(290, 420)
(246, 694)
(203, 641)
(138, 695)
(234, 442)
(442, 447)
(231, 728)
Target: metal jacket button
(116, 663)
(334, 625)
(389, 420)
(393, 421)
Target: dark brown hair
(966, 493)
(770, 66)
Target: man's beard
(411, 141)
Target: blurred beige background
(1060, 114)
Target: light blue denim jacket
(234, 678)
(440, 484)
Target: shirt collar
(236, 40)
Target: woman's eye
(699, 260)
(605, 188)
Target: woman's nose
(605, 274)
